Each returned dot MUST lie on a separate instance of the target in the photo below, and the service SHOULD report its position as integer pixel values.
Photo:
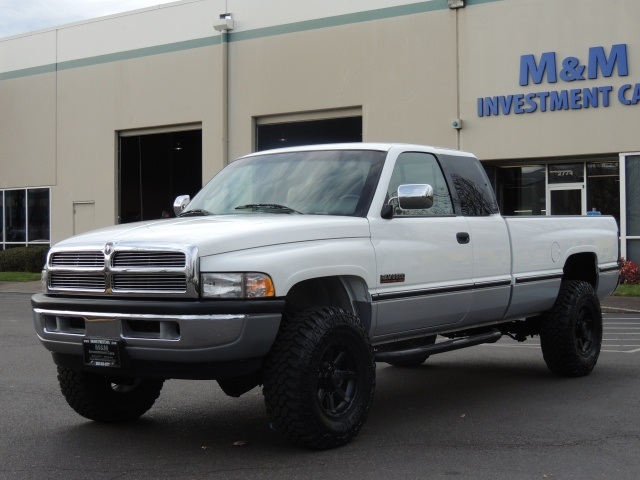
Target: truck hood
(224, 233)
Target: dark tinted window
(38, 214)
(603, 188)
(473, 192)
(15, 215)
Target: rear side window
(421, 168)
(472, 190)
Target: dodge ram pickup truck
(298, 269)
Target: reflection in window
(474, 201)
(38, 215)
(24, 217)
(15, 214)
(632, 172)
(566, 201)
(421, 168)
(521, 190)
(322, 182)
(471, 186)
(633, 247)
(603, 188)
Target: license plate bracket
(99, 352)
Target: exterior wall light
(456, 4)
(225, 23)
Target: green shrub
(629, 271)
(23, 259)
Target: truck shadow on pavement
(444, 402)
(494, 402)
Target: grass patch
(628, 290)
(19, 277)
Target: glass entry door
(567, 200)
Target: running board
(440, 347)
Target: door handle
(463, 238)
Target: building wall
(97, 102)
(60, 128)
(409, 67)
(494, 36)
(398, 70)
(28, 112)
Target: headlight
(236, 285)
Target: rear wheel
(108, 399)
(319, 378)
(571, 334)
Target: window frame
(4, 243)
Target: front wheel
(319, 378)
(108, 399)
(571, 334)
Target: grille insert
(77, 281)
(144, 259)
(149, 282)
(77, 259)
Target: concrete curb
(618, 310)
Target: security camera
(225, 23)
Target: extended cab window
(472, 187)
(421, 168)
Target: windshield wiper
(195, 213)
(268, 206)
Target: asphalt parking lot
(488, 412)
(621, 334)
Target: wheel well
(581, 266)
(346, 292)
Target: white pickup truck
(299, 269)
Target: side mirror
(415, 197)
(180, 203)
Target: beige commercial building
(106, 121)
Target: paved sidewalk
(611, 304)
(21, 287)
(615, 304)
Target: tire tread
(286, 372)
(91, 396)
(557, 334)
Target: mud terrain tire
(319, 378)
(571, 334)
(107, 399)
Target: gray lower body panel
(156, 337)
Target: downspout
(458, 130)
(225, 97)
(224, 25)
(456, 5)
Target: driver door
(424, 257)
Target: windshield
(325, 182)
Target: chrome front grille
(125, 271)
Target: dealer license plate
(101, 352)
